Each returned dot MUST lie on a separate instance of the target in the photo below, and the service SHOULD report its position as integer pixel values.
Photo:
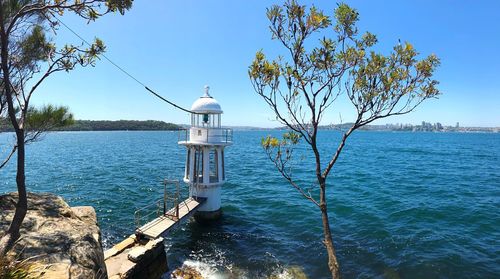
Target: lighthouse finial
(207, 88)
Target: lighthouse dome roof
(206, 104)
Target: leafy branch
(303, 85)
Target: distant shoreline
(108, 125)
(276, 129)
(155, 125)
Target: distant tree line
(105, 125)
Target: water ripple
(403, 205)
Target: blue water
(403, 205)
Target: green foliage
(103, 125)
(119, 5)
(288, 139)
(34, 47)
(47, 118)
(269, 72)
(28, 21)
(28, 57)
(32, 56)
(346, 18)
(319, 66)
(14, 269)
(5, 126)
(380, 81)
(301, 86)
(120, 125)
(270, 142)
(280, 150)
(90, 10)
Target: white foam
(207, 271)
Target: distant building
(457, 126)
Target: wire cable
(125, 72)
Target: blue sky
(176, 47)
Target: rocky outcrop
(295, 272)
(136, 259)
(186, 272)
(62, 241)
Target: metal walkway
(170, 219)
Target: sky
(178, 47)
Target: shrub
(11, 268)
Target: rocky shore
(60, 241)
(63, 242)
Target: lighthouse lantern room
(205, 142)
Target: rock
(152, 244)
(136, 260)
(186, 272)
(86, 214)
(293, 271)
(139, 253)
(296, 272)
(136, 254)
(118, 248)
(65, 242)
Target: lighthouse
(205, 141)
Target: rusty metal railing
(160, 207)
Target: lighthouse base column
(207, 216)
(210, 210)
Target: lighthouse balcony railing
(203, 135)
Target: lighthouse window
(205, 118)
(202, 170)
(198, 166)
(222, 161)
(195, 166)
(187, 163)
(214, 166)
(216, 121)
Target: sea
(402, 204)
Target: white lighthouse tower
(205, 142)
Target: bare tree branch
(14, 148)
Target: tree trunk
(333, 265)
(12, 234)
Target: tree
(301, 86)
(28, 58)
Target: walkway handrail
(138, 216)
(162, 206)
